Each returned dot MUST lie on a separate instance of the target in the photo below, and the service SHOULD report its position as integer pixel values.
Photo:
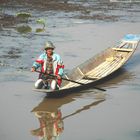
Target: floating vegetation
(23, 29)
(24, 15)
(42, 22)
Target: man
(50, 63)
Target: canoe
(98, 68)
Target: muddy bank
(88, 10)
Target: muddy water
(78, 35)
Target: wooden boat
(95, 70)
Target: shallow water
(90, 114)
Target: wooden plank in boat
(97, 69)
(123, 49)
(115, 66)
(97, 72)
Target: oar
(70, 80)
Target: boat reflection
(120, 77)
(49, 115)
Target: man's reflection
(51, 125)
(50, 118)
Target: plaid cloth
(49, 67)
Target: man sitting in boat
(51, 67)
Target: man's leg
(53, 85)
(39, 84)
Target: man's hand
(58, 77)
(33, 69)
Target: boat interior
(101, 65)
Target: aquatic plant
(42, 22)
(23, 15)
(25, 28)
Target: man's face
(49, 51)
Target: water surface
(79, 30)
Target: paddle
(70, 80)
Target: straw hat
(49, 45)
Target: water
(78, 35)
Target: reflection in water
(23, 29)
(119, 77)
(50, 118)
(48, 112)
(86, 107)
(51, 125)
(40, 30)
